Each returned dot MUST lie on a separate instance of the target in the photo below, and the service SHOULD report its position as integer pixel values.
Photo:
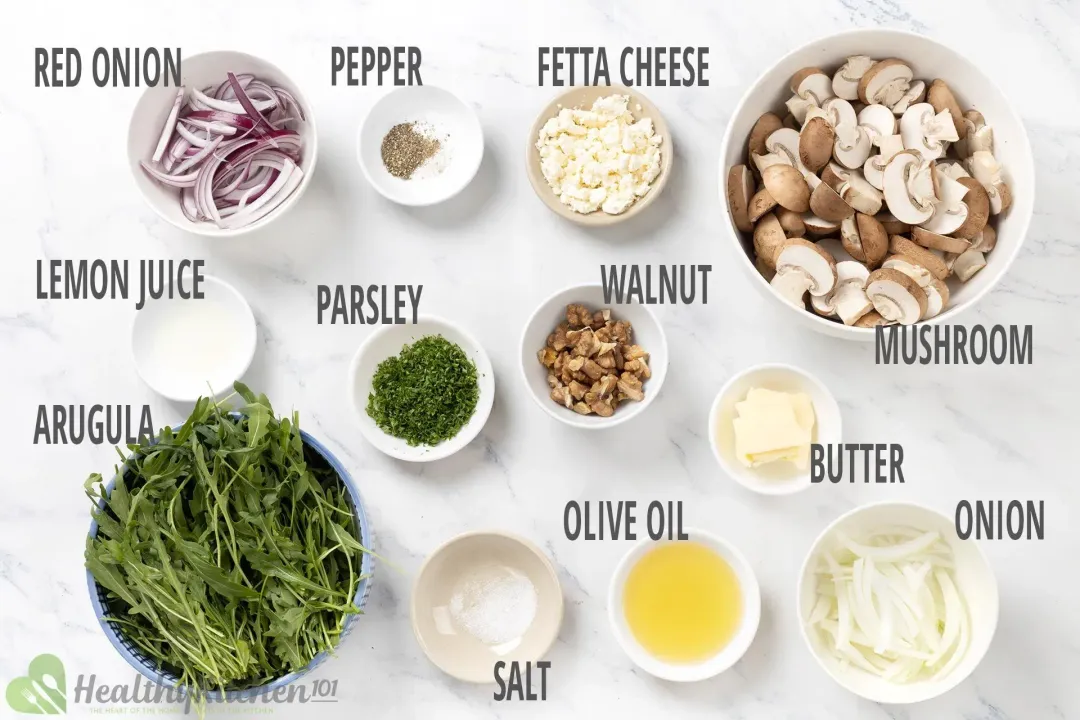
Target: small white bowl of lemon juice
(188, 348)
(684, 610)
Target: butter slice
(772, 426)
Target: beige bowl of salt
(485, 597)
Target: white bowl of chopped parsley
(421, 392)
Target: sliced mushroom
(765, 126)
(951, 210)
(834, 175)
(896, 297)
(865, 239)
(801, 267)
(768, 237)
(792, 223)
(788, 186)
(937, 297)
(851, 143)
(908, 186)
(816, 143)
(978, 205)
(916, 93)
(986, 240)
(784, 143)
(874, 168)
(845, 83)
(761, 203)
(934, 241)
(848, 300)
(910, 267)
(853, 153)
(940, 96)
(968, 263)
(828, 205)
(833, 246)
(871, 319)
(853, 188)
(767, 271)
(791, 122)
(885, 82)
(980, 136)
(951, 168)
(892, 225)
(812, 88)
(926, 132)
(879, 122)
(819, 226)
(985, 168)
(740, 186)
(931, 261)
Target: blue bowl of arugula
(279, 637)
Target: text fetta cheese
(600, 158)
(773, 426)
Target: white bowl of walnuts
(593, 364)
(876, 177)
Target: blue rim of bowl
(150, 671)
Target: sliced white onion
(888, 604)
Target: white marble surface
(485, 260)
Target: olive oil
(682, 602)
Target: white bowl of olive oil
(684, 610)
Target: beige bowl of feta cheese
(599, 155)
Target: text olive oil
(682, 602)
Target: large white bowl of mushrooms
(875, 177)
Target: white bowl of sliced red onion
(226, 153)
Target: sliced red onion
(191, 137)
(242, 122)
(287, 181)
(166, 132)
(197, 158)
(232, 106)
(172, 180)
(187, 204)
(229, 152)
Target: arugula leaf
(226, 548)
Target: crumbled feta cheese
(600, 158)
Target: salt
(494, 603)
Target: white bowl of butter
(763, 422)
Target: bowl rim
(363, 590)
(529, 545)
(466, 178)
(939, 687)
(598, 218)
(249, 353)
(311, 149)
(751, 594)
(792, 485)
(447, 447)
(824, 325)
(572, 418)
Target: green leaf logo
(42, 690)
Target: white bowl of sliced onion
(226, 153)
(894, 606)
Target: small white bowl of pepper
(420, 145)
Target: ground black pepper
(405, 148)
